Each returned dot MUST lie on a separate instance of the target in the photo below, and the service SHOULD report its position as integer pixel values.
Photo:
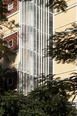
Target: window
(30, 53)
(35, 64)
(10, 6)
(10, 81)
(10, 43)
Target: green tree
(50, 99)
(3, 11)
(63, 45)
(4, 74)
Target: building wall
(62, 21)
(13, 38)
(15, 6)
(35, 19)
(15, 46)
(65, 18)
(12, 35)
(6, 29)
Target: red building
(11, 36)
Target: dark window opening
(10, 44)
(10, 81)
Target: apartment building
(29, 41)
(62, 21)
(11, 36)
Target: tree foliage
(63, 45)
(50, 99)
(57, 4)
(4, 74)
(5, 52)
(3, 11)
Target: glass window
(30, 53)
(23, 11)
(25, 63)
(34, 64)
(34, 39)
(28, 60)
(35, 82)
(35, 15)
(38, 42)
(50, 23)
(24, 35)
(10, 43)
(38, 64)
(10, 6)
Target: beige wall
(65, 18)
(8, 31)
(62, 21)
(70, 2)
(64, 70)
(66, 26)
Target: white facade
(35, 29)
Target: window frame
(10, 6)
(9, 45)
(8, 81)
